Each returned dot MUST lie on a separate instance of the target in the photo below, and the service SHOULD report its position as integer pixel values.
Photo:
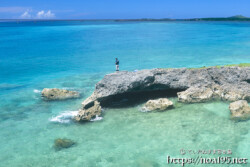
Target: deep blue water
(75, 55)
(30, 50)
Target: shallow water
(75, 56)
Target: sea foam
(96, 118)
(65, 117)
(37, 91)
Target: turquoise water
(76, 55)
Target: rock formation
(88, 114)
(195, 95)
(58, 94)
(214, 91)
(240, 109)
(63, 143)
(194, 85)
(160, 104)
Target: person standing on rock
(117, 64)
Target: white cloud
(49, 14)
(40, 14)
(26, 15)
(44, 15)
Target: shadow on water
(6, 88)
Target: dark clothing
(117, 64)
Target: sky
(121, 9)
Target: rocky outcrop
(58, 94)
(228, 83)
(240, 109)
(63, 143)
(89, 113)
(234, 95)
(195, 95)
(158, 105)
(195, 85)
(210, 92)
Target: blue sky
(113, 9)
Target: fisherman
(117, 64)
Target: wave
(96, 118)
(65, 117)
(37, 91)
(143, 109)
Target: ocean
(75, 55)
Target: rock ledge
(193, 85)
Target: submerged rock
(240, 109)
(158, 105)
(58, 94)
(89, 113)
(63, 143)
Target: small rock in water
(88, 114)
(158, 104)
(63, 143)
(240, 110)
(58, 94)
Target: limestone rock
(225, 92)
(240, 109)
(195, 95)
(232, 95)
(63, 143)
(227, 83)
(193, 85)
(58, 94)
(89, 113)
(158, 105)
(217, 91)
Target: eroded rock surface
(210, 92)
(194, 85)
(58, 94)
(160, 104)
(195, 95)
(229, 83)
(240, 109)
(89, 113)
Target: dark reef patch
(63, 143)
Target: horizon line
(36, 19)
